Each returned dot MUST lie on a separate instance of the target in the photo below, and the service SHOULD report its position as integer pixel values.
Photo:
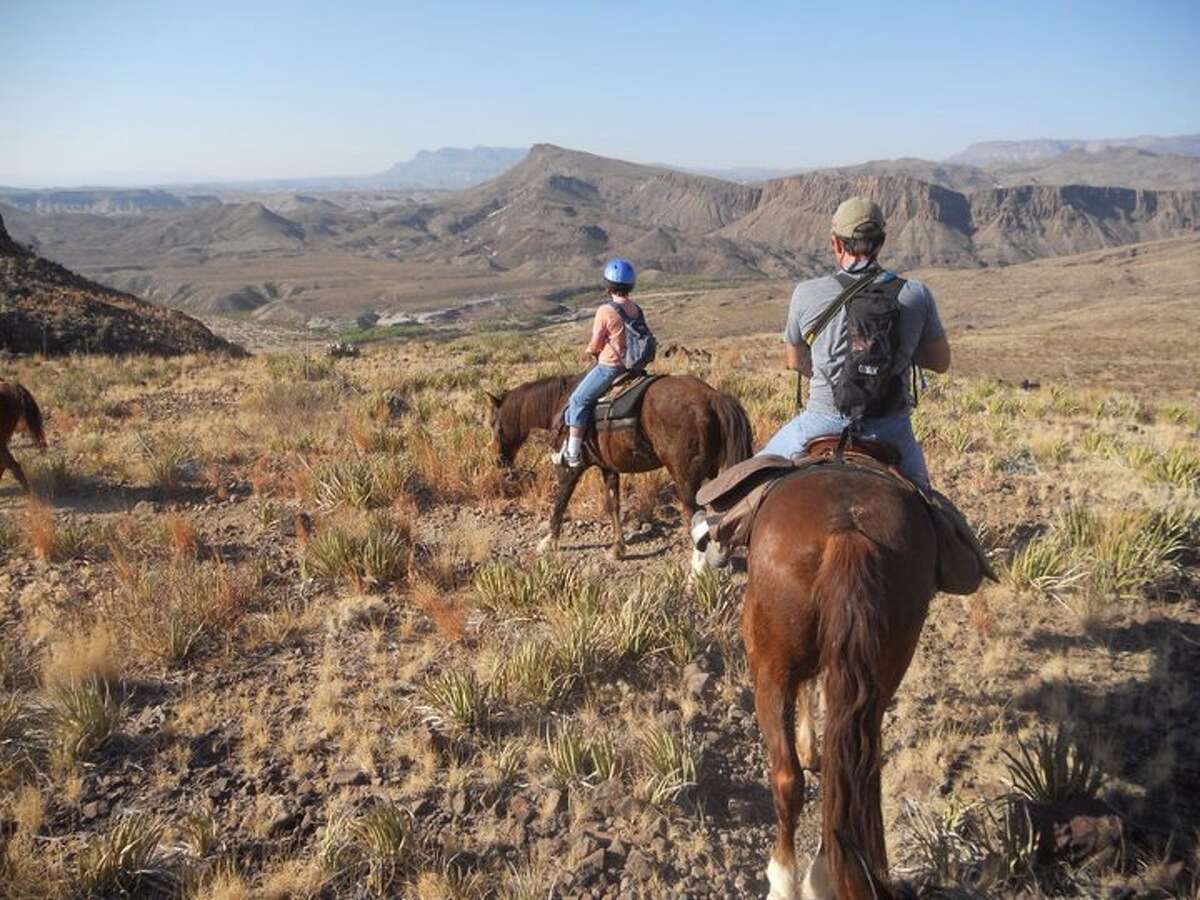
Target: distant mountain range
(549, 221)
(987, 153)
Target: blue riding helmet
(619, 271)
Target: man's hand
(934, 355)
(589, 356)
(799, 359)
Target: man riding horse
(821, 334)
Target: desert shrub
(123, 860)
(78, 719)
(376, 555)
(291, 367)
(52, 475)
(378, 848)
(1044, 565)
(1052, 769)
(166, 612)
(10, 537)
(669, 760)
(575, 757)
(166, 458)
(455, 700)
(57, 541)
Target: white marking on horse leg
(699, 564)
(783, 883)
(817, 884)
(548, 544)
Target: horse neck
(536, 407)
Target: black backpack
(868, 383)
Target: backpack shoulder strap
(625, 317)
(849, 290)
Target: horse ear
(496, 401)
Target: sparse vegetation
(332, 640)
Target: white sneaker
(563, 458)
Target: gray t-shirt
(919, 324)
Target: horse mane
(534, 403)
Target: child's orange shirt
(608, 333)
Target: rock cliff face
(45, 308)
(932, 225)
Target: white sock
(573, 445)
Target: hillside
(548, 222)
(45, 308)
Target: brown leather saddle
(876, 456)
(621, 405)
(732, 499)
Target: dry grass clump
(376, 554)
(90, 655)
(75, 720)
(55, 541)
(1054, 769)
(669, 760)
(166, 611)
(574, 757)
(290, 367)
(124, 860)
(455, 700)
(51, 475)
(992, 847)
(1121, 555)
(378, 849)
(360, 482)
(167, 459)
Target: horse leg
(612, 500)
(7, 461)
(775, 688)
(806, 731)
(567, 479)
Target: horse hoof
(616, 553)
(548, 544)
(783, 885)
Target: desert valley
(275, 626)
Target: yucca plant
(122, 861)
(456, 700)
(378, 848)
(1052, 769)
(669, 760)
(80, 718)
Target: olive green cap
(858, 217)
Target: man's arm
(799, 358)
(934, 355)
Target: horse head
(505, 436)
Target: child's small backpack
(640, 345)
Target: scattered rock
(348, 777)
(695, 679)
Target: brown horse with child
(684, 424)
(16, 406)
(841, 568)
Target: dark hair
(615, 287)
(862, 246)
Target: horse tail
(32, 414)
(848, 592)
(735, 429)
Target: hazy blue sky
(263, 89)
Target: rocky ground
(297, 720)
